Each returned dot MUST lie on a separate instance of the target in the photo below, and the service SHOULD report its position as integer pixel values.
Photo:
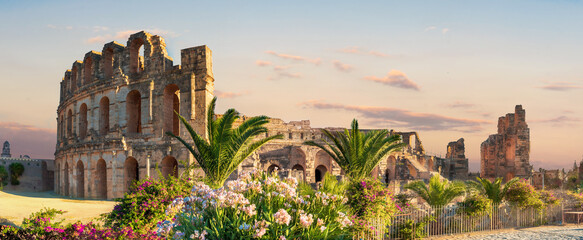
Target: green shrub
(523, 195)
(38, 221)
(411, 229)
(16, 170)
(256, 206)
(475, 205)
(3, 176)
(145, 204)
(548, 198)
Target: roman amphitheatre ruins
(116, 105)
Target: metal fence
(420, 223)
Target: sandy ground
(567, 232)
(14, 206)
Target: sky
(446, 69)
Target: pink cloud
(262, 63)
(221, 94)
(125, 34)
(395, 78)
(361, 51)
(315, 61)
(29, 140)
(396, 117)
(341, 66)
(559, 121)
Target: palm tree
(494, 190)
(437, 193)
(226, 147)
(358, 153)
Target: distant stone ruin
(506, 154)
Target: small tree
(3, 176)
(226, 146)
(16, 170)
(437, 193)
(494, 190)
(358, 153)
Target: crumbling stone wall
(115, 107)
(38, 174)
(455, 163)
(506, 154)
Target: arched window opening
(320, 172)
(298, 173)
(101, 179)
(58, 179)
(132, 172)
(137, 56)
(69, 123)
(171, 104)
(104, 116)
(88, 71)
(134, 112)
(108, 63)
(169, 167)
(66, 179)
(83, 121)
(272, 168)
(80, 179)
(74, 79)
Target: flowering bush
(256, 206)
(40, 225)
(145, 204)
(548, 198)
(369, 200)
(475, 204)
(524, 195)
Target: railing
(420, 223)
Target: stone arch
(171, 104)
(391, 168)
(509, 175)
(297, 157)
(134, 112)
(322, 158)
(132, 172)
(104, 116)
(136, 61)
(66, 179)
(298, 172)
(69, 123)
(272, 167)
(101, 179)
(87, 70)
(83, 121)
(319, 173)
(58, 179)
(108, 63)
(169, 167)
(375, 172)
(80, 175)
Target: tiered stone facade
(506, 154)
(116, 105)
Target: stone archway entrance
(320, 172)
(101, 179)
(169, 167)
(80, 179)
(66, 179)
(132, 172)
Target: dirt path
(14, 206)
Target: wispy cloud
(444, 30)
(262, 63)
(221, 94)
(430, 28)
(402, 118)
(282, 72)
(341, 66)
(51, 26)
(29, 140)
(361, 51)
(560, 121)
(315, 61)
(395, 78)
(460, 104)
(560, 86)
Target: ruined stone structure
(116, 105)
(506, 154)
(38, 174)
(455, 163)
